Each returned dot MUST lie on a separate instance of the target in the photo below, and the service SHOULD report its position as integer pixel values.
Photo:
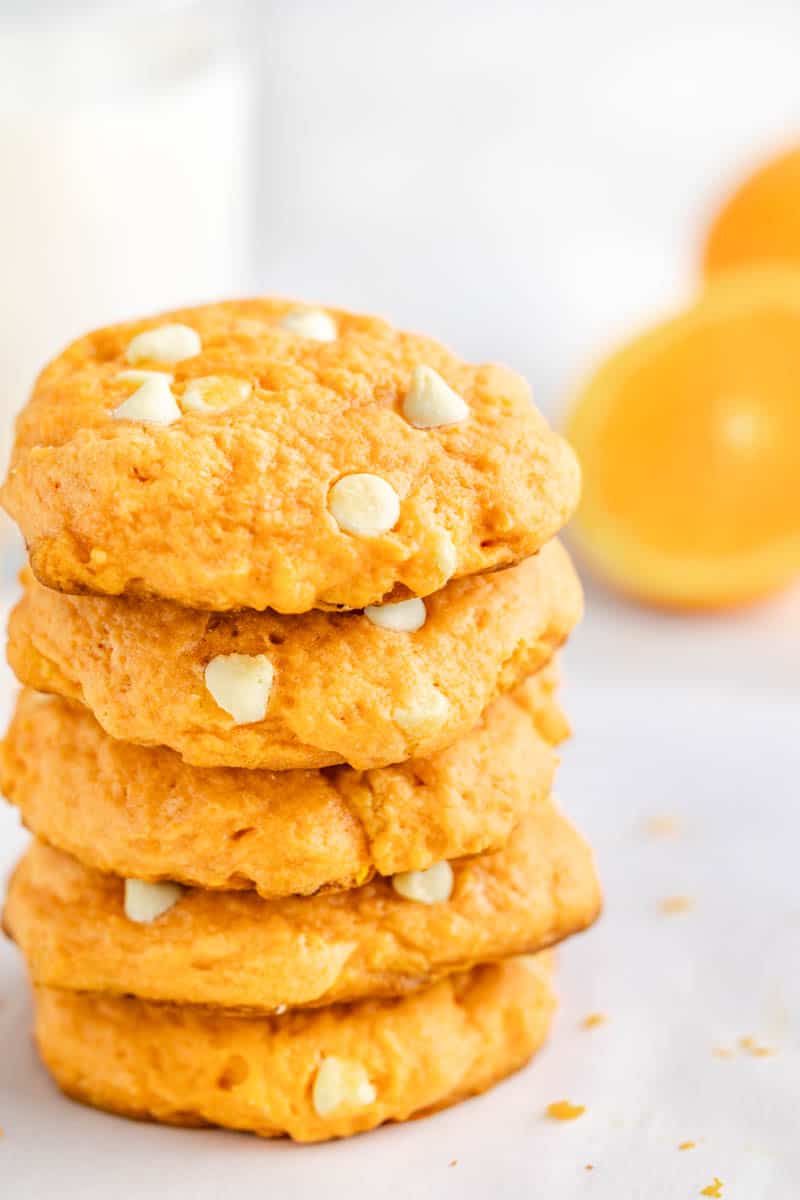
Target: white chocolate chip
(146, 901)
(427, 708)
(364, 504)
(152, 401)
(433, 886)
(141, 375)
(446, 557)
(430, 402)
(407, 616)
(311, 323)
(341, 1083)
(167, 344)
(240, 684)
(212, 393)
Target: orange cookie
(257, 454)
(82, 930)
(261, 690)
(313, 1075)
(143, 813)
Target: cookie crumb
(671, 906)
(749, 1045)
(563, 1110)
(752, 1047)
(453, 1162)
(686, 1145)
(662, 827)
(713, 1189)
(593, 1020)
(589, 1167)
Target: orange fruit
(689, 438)
(760, 223)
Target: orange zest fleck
(722, 1052)
(713, 1189)
(593, 1020)
(672, 906)
(686, 1145)
(562, 1110)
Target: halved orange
(760, 222)
(689, 438)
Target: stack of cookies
(288, 728)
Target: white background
(529, 182)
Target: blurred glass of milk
(124, 186)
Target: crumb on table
(662, 826)
(673, 905)
(563, 1110)
(752, 1046)
(749, 1045)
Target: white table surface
(694, 719)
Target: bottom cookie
(312, 1075)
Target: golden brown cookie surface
(144, 813)
(237, 951)
(313, 1075)
(224, 496)
(307, 691)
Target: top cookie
(260, 454)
